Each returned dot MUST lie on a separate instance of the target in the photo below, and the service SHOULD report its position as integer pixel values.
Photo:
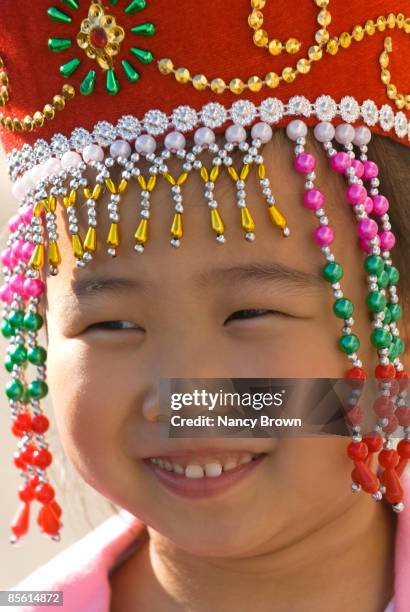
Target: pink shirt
(81, 571)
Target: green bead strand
(396, 312)
(376, 301)
(7, 329)
(374, 265)
(14, 389)
(383, 280)
(349, 344)
(18, 354)
(37, 389)
(16, 319)
(332, 272)
(37, 355)
(393, 274)
(381, 338)
(33, 321)
(8, 364)
(343, 308)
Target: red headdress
(102, 83)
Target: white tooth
(230, 465)
(168, 466)
(194, 471)
(245, 459)
(153, 459)
(178, 469)
(161, 463)
(213, 469)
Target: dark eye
(249, 313)
(114, 325)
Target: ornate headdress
(120, 85)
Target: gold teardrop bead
(276, 217)
(90, 240)
(176, 227)
(141, 235)
(54, 256)
(37, 258)
(216, 221)
(246, 220)
(113, 238)
(77, 245)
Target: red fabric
(206, 37)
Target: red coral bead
(42, 458)
(34, 482)
(57, 509)
(40, 423)
(373, 442)
(357, 451)
(392, 424)
(388, 458)
(355, 415)
(44, 493)
(20, 523)
(403, 415)
(403, 448)
(403, 379)
(27, 453)
(26, 493)
(394, 491)
(356, 377)
(48, 520)
(23, 421)
(19, 461)
(369, 481)
(16, 431)
(383, 406)
(385, 372)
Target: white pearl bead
(262, 131)
(93, 152)
(174, 141)
(345, 133)
(70, 158)
(50, 166)
(145, 144)
(204, 136)
(324, 132)
(362, 136)
(35, 174)
(120, 148)
(235, 134)
(21, 187)
(296, 129)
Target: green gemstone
(396, 311)
(7, 329)
(8, 364)
(18, 354)
(59, 44)
(14, 389)
(58, 15)
(114, 2)
(383, 279)
(393, 275)
(145, 29)
(88, 83)
(343, 308)
(16, 319)
(70, 67)
(393, 352)
(387, 316)
(33, 321)
(71, 3)
(376, 302)
(131, 74)
(38, 389)
(374, 264)
(135, 6)
(142, 55)
(37, 355)
(349, 344)
(381, 338)
(112, 83)
(332, 272)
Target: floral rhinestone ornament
(101, 37)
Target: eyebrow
(269, 272)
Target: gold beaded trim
(324, 44)
(401, 100)
(38, 118)
(292, 45)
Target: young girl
(212, 523)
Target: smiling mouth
(203, 475)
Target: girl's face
(181, 313)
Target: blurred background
(83, 508)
